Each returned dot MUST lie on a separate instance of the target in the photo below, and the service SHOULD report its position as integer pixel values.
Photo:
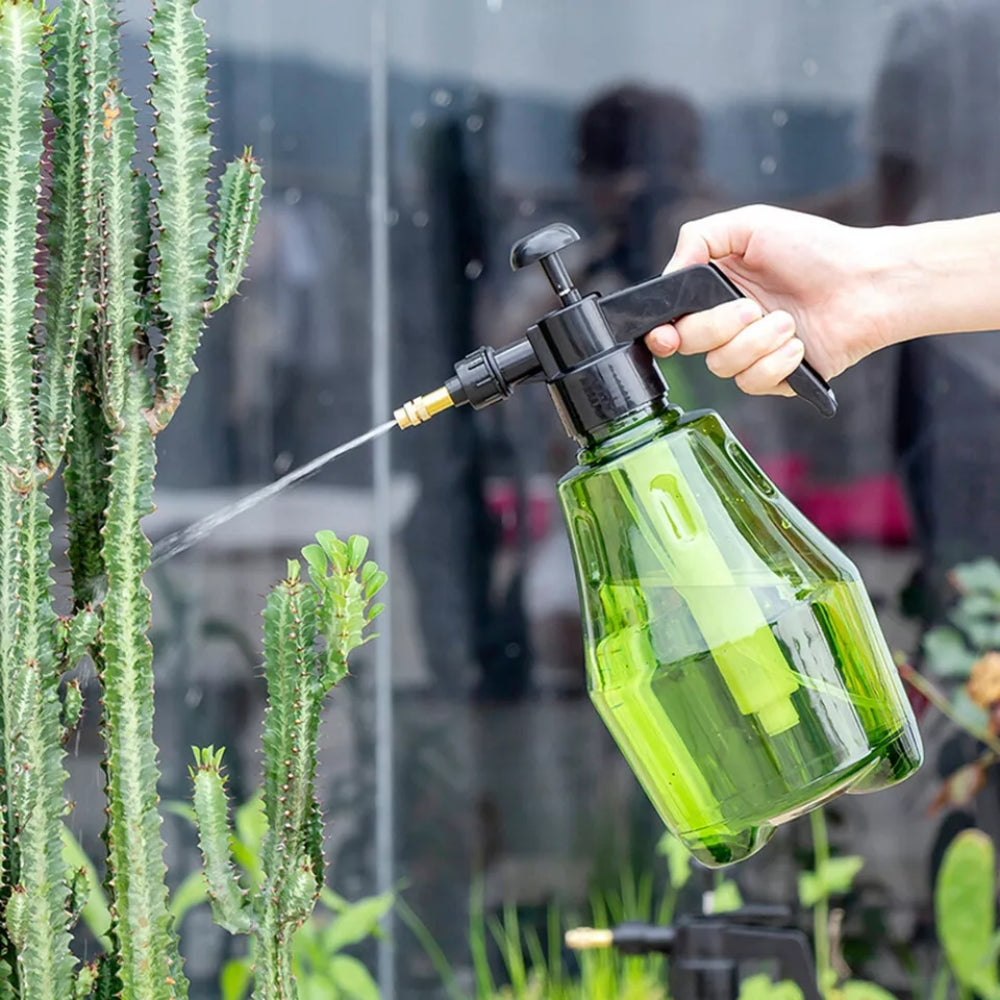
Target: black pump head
(590, 351)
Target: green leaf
(965, 908)
(678, 859)
(982, 575)
(946, 653)
(357, 549)
(235, 979)
(834, 876)
(726, 897)
(967, 712)
(357, 922)
(761, 987)
(353, 978)
(191, 893)
(239, 206)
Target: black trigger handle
(634, 311)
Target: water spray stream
(180, 541)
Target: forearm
(939, 277)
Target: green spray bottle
(731, 648)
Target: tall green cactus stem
(76, 387)
(149, 964)
(69, 307)
(36, 931)
(310, 629)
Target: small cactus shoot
(310, 629)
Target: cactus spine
(78, 385)
(310, 629)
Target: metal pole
(381, 410)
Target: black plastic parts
(589, 350)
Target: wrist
(934, 277)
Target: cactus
(310, 629)
(81, 388)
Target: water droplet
(418, 119)
(391, 217)
(779, 117)
(266, 123)
(810, 67)
(441, 97)
(768, 165)
(474, 123)
(527, 207)
(283, 462)
(473, 269)
(192, 697)
(494, 6)
(293, 196)
(420, 218)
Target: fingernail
(749, 311)
(663, 342)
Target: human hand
(812, 291)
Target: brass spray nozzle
(420, 409)
(585, 938)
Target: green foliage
(965, 907)
(760, 987)
(974, 621)
(310, 630)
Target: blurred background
(406, 144)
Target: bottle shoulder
(692, 423)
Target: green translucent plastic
(732, 650)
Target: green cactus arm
(35, 759)
(145, 940)
(75, 635)
(86, 482)
(22, 88)
(181, 161)
(297, 895)
(72, 711)
(239, 206)
(289, 669)
(68, 303)
(118, 295)
(211, 807)
(86, 981)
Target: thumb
(724, 234)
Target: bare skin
(831, 292)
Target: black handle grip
(633, 312)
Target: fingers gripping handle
(634, 311)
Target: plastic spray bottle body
(732, 650)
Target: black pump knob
(542, 247)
